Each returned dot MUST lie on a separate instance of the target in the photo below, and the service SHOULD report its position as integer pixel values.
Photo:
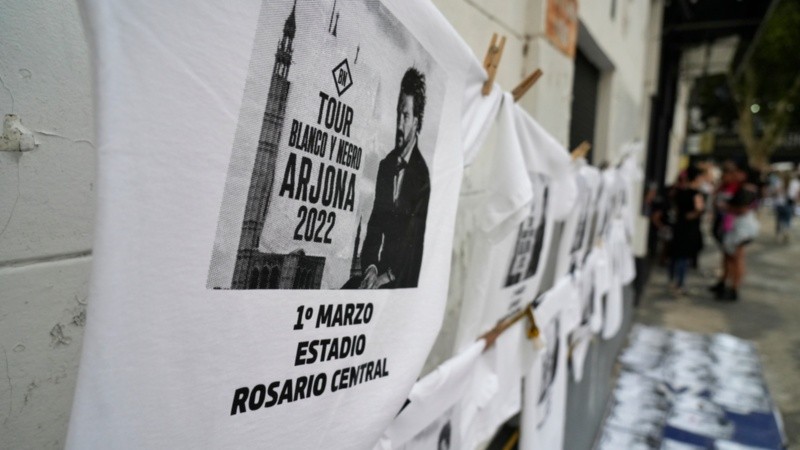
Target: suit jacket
(396, 230)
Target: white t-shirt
(632, 176)
(619, 270)
(256, 145)
(544, 403)
(544, 154)
(602, 284)
(495, 189)
(578, 235)
(591, 288)
(507, 268)
(605, 203)
(432, 397)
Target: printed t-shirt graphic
(338, 160)
(544, 402)
(605, 204)
(578, 236)
(168, 360)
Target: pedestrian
(738, 228)
(687, 241)
(781, 203)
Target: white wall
(46, 215)
(631, 41)
(47, 198)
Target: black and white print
(551, 336)
(330, 170)
(587, 293)
(527, 254)
(584, 236)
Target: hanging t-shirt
(255, 158)
(502, 194)
(441, 434)
(432, 397)
(602, 284)
(590, 292)
(627, 174)
(495, 188)
(605, 203)
(545, 388)
(578, 235)
(631, 174)
(544, 154)
(490, 295)
(619, 255)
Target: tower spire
(290, 26)
(249, 272)
(333, 11)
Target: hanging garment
(515, 259)
(254, 159)
(431, 397)
(590, 310)
(620, 273)
(578, 235)
(545, 388)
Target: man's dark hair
(414, 84)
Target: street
(767, 312)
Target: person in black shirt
(687, 239)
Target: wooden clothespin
(526, 84)
(581, 150)
(491, 61)
(492, 335)
(533, 330)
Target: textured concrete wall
(46, 215)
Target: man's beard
(402, 141)
(399, 140)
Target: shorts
(744, 231)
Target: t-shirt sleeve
(544, 154)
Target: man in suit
(392, 251)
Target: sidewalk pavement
(767, 312)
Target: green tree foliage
(770, 78)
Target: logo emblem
(342, 77)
